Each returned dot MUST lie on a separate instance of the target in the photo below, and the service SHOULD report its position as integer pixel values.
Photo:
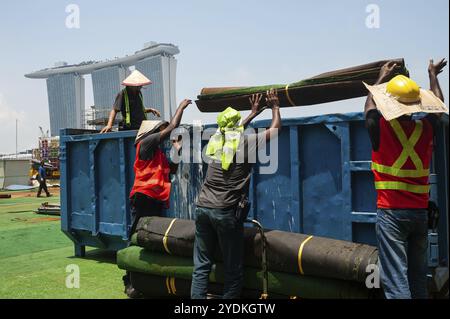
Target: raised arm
(155, 112)
(176, 119)
(255, 100)
(385, 74)
(433, 71)
(273, 103)
(370, 109)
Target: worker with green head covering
(223, 145)
(224, 194)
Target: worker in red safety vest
(401, 119)
(150, 193)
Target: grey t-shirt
(224, 188)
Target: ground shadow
(100, 256)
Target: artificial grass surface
(34, 254)
(27, 240)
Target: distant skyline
(222, 43)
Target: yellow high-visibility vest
(127, 107)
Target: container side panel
(363, 192)
(80, 213)
(130, 153)
(273, 191)
(108, 183)
(321, 177)
(187, 181)
(364, 233)
(361, 147)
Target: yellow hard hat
(403, 89)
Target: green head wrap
(224, 143)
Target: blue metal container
(322, 186)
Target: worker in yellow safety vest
(130, 103)
(401, 119)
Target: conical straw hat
(148, 127)
(391, 108)
(136, 78)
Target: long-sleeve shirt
(42, 172)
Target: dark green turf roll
(137, 259)
(286, 252)
(153, 286)
(327, 87)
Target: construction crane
(43, 135)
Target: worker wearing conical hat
(150, 193)
(401, 119)
(130, 103)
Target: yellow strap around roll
(165, 238)
(172, 285)
(169, 291)
(287, 95)
(388, 185)
(300, 252)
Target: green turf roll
(327, 87)
(153, 286)
(137, 259)
(286, 252)
(134, 240)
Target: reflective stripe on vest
(400, 172)
(127, 107)
(396, 168)
(401, 186)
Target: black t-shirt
(373, 126)
(224, 188)
(149, 145)
(137, 114)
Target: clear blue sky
(222, 43)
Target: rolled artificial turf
(286, 252)
(137, 259)
(327, 87)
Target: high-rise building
(66, 101)
(106, 85)
(161, 94)
(65, 85)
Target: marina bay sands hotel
(66, 85)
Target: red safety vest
(401, 165)
(151, 177)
